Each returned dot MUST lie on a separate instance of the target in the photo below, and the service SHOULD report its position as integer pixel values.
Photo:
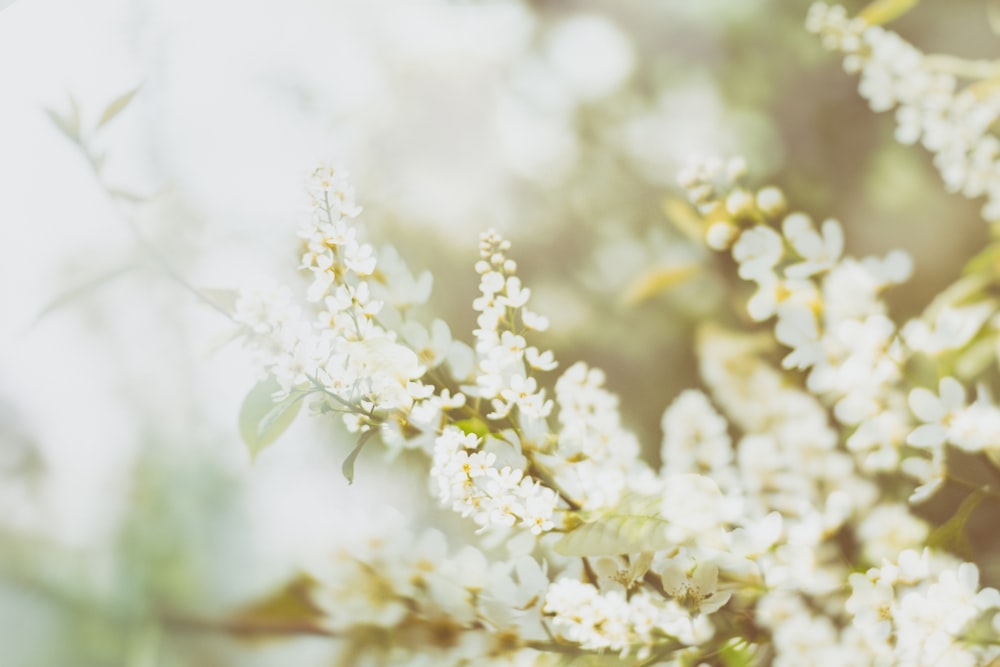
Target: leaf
(81, 289)
(976, 358)
(222, 298)
(116, 106)
(656, 281)
(737, 652)
(950, 536)
(475, 426)
(286, 608)
(125, 195)
(348, 467)
(993, 454)
(985, 261)
(69, 125)
(993, 16)
(685, 218)
(262, 420)
(883, 11)
(615, 534)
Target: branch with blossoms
(769, 534)
(739, 548)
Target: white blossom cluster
(395, 597)
(829, 311)
(922, 609)
(503, 353)
(749, 537)
(931, 106)
(469, 480)
(357, 355)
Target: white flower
(952, 328)
(692, 584)
(936, 411)
(757, 251)
(888, 530)
(818, 252)
(695, 436)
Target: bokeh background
(126, 496)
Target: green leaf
(993, 16)
(615, 534)
(737, 652)
(286, 608)
(348, 467)
(125, 195)
(262, 420)
(222, 298)
(976, 358)
(950, 536)
(117, 106)
(658, 280)
(635, 525)
(475, 426)
(81, 290)
(880, 12)
(69, 124)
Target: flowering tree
(777, 527)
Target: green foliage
(475, 426)
(116, 106)
(884, 11)
(950, 536)
(69, 124)
(633, 527)
(348, 466)
(737, 653)
(288, 609)
(262, 420)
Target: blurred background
(126, 495)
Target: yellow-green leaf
(976, 358)
(348, 466)
(950, 536)
(116, 106)
(615, 534)
(685, 218)
(473, 425)
(993, 454)
(288, 607)
(262, 420)
(658, 280)
(68, 124)
(883, 11)
(993, 16)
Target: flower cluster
(747, 534)
(395, 597)
(782, 479)
(923, 609)
(469, 480)
(931, 107)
